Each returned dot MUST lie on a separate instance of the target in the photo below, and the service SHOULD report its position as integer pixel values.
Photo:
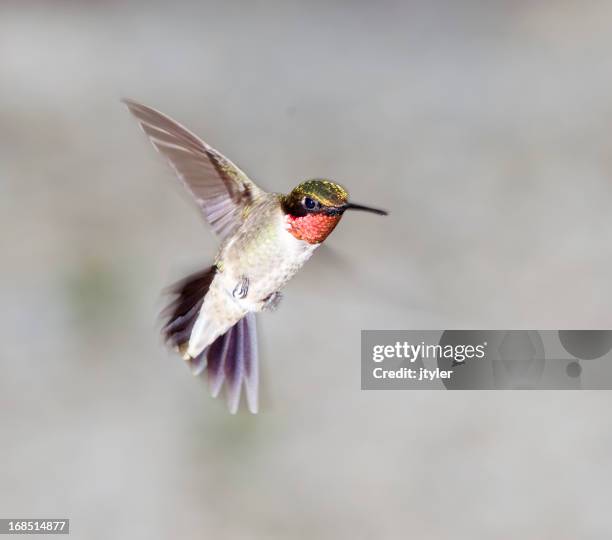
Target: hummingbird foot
(242, 288)
(271, 302)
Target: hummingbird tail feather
(182, 312)
(232, 358)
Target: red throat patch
(312, 228)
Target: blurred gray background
(485, 127)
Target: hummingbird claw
(271, 302)
(242, 288)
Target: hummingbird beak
(353, 206)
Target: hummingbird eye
(310, 204)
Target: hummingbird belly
(252, 265)
(262, 254)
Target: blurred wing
(220, 188)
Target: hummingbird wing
(220, 188)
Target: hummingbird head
(314, 208)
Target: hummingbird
(265, 239)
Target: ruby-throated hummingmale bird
(265, 240)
